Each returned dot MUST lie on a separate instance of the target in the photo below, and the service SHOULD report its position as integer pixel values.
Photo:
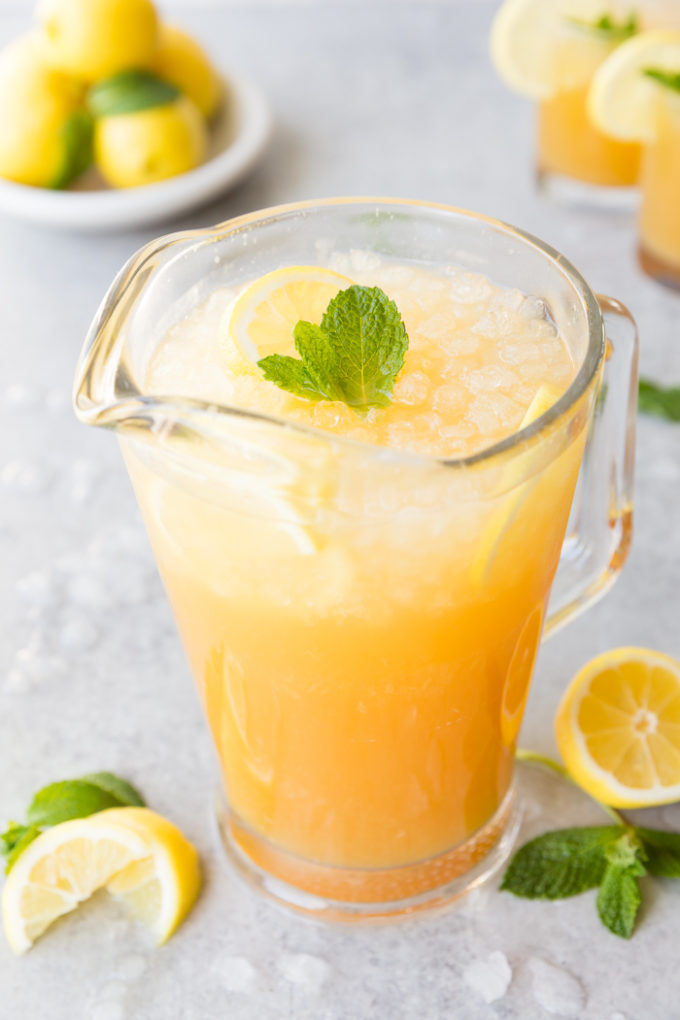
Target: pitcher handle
(600, 524)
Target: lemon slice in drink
(618, 728)
(138, 856)
(622, 98)
(539, 49)
(264, 316)
(500, 519)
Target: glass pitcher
(361, 622)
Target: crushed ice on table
(489, 976)
(77, 634)
(20, 395)
(235, 973)
(110, 1010)
(304, 970)
(84, 474)
(131, 967)
(24, 476)
(556, 990)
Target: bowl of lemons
(111, 118)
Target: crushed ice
(556, 990)
(490, 976)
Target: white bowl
(238, 135)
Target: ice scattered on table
(304, 970)
(24, 476)
(556, 990)
(131, 967)
(84, 475)
(235, 973)
(76, 635)
(111, 1010)
(490, 976)
(20, 395)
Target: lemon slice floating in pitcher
(622, 98)
(138, 856)
(500, 519)
(539, 49)
(618, 728)
(264, 316)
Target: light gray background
(397, 99)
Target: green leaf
(125, 792)
(627, 853)
(130, 92)
(662, 850)
(354, 355)
(22, 840)
(618, 900)
(72, 798)
(76, 140)
(12, 835)
(561, 863)
(608, 27)
(669, 79)
(664, 402)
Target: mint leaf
(124, 792)
(72, 798)
(608, 27)
(354, 355)
(12, 835)
(669, 79)
(664, 402)
(560, 863)
(618, 900)
(22, 835)
(76, 138)
(662, 850)
(129, 92)
(627, 853)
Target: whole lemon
(181, 60)
(36, 105)
(92, 39)
(133, 149)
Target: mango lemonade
(363, 644)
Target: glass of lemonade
(549, 51)
(659, 218)
(361, 595)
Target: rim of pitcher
(590, 364)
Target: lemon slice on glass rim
(618, 728)
(263, 318)
(139, 857)
(622, 99)
(539, 49)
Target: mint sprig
(76, 136)
(129, 92)
(609, 27)
(59, 802)
(661, 401)
(610, 858)
(353, 356)
(669, 79)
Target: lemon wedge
(264, 316)
(622, 98)
(539, 49)
(138, 856)
(618, 728)
(499, 520)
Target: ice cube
(235, 973)
(490, 977)
(556, 990)
(304, 970)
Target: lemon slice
(538, 49)
(137, 855)
(621, 98)
(618, 728)
(264, 316)
(500, 519)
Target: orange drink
(660, 208)
(361, 590)
(635, 95)
(569, 144)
